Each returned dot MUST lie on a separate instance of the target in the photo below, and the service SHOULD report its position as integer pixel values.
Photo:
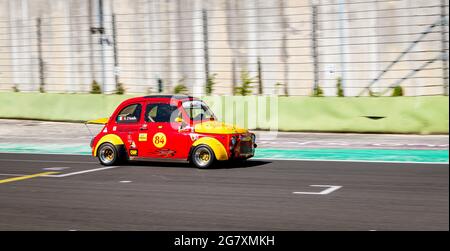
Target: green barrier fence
(424, 115)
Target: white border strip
(360, 161)
(80, 172)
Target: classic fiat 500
(168, 127)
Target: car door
(163, 140)
(127, 126)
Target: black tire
(108, 154)
(202, 157)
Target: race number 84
(159, 140)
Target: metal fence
(224, 47)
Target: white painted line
(329, 190)
(81, 172)
(125, 181)
(56, 168)
(359, 161)
(387, 144)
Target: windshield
(197, 110)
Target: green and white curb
(364, 155)
(78, 149)
(326, 154)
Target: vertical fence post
(444, 48)
(102, 32)
(41, 61)
(91, 41)
(260, 82)
(116, 61)
(342, 44)
(233, 69)
(314, 48)
(205, 45)
(284, 48)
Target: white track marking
(55, 168)
(329, 190)
(81, 172)
(358, 161)
(125, 181)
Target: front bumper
(245, 147)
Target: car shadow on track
(219, 165)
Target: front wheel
(202, 157)
(108, 154)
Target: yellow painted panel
(101, 121)
(110, 138)
(218, 128)
(25, 177)
(219, 150)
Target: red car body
(141, 128)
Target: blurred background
(225, 47)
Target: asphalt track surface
(258, 195)
(41, 133)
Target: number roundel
(159, 140)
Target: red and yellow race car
(169, 127)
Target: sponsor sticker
(142, 136)
(133, 152)
(193, 136)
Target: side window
(129, 114)
(161, 112)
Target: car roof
(179, 97)
(149, 97)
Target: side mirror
(179, 120)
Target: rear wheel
(202, 157)
(108, 154)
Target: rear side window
(161, 113)
(129, 114)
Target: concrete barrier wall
(424, 115)
(58, 107)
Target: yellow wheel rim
(202, 156)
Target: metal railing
(322, 48)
